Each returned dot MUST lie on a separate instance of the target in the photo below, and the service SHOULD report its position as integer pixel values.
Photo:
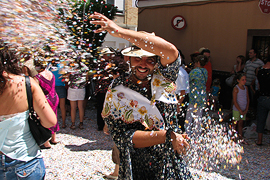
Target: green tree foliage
(78, 21)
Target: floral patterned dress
(197, 84)
(155, 162)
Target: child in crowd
(240, 104)
(215, 90)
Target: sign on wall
(264, 6)
(178, 22)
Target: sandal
(111, 176)
(81, 125)
(64, 126)
(54, 142)
(44, 147)
(244, 142)
(73, 126)
(258, 143)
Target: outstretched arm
(151, 43)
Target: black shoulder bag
(90, 89)
(40, 133)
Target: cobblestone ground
(86, 154)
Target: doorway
(259, 39)
(262, 45)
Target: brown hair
(201, 59)
(242, 58)
(8, 63)
(238, 76)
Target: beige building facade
(127, 17)
(228, 28)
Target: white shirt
(182, 81)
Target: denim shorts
(61, 91)
(11, 169)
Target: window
(109, 44)
(118, 3)
(122, 46)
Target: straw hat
(203, 49)
(135, 51)
(106, 50)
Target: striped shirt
(250, 68)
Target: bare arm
(143, 139)
(232, 71)
(235, 92)
(42, 107)
(182, 96)
(240, 66)
(154, 44)
(252, 85)
(245, 69)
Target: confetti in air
(212, 144)
(60, 32)
(54, 31)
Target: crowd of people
(138, 93)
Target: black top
(264, 81)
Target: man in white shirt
(182, 90)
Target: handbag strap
(29, 94)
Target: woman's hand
(242, 112)
(179, 142)
(239, 60)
